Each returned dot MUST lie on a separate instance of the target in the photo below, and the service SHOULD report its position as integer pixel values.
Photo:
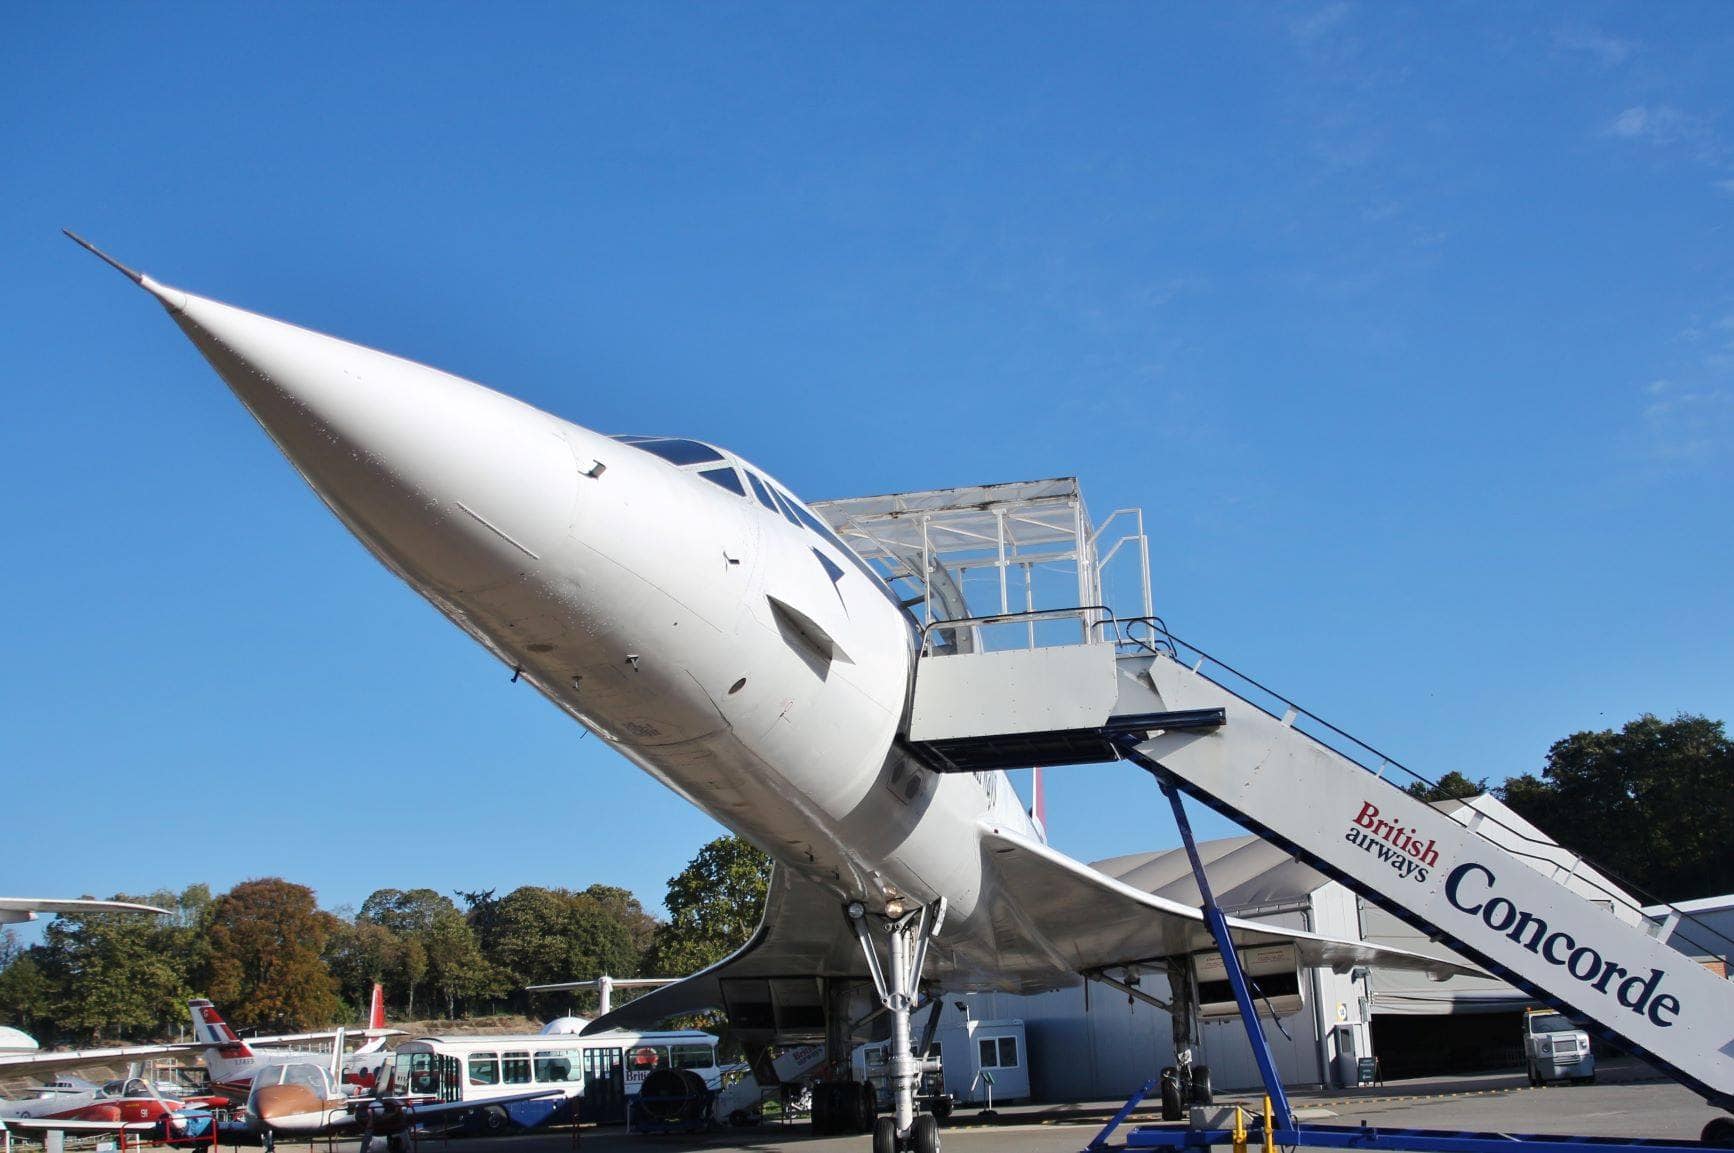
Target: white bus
(597, 1073)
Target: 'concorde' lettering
(1468, 888)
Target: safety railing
(1151, 635)
(1096, 625)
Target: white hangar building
(1096, 1042)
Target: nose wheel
(923, 1136)
(898, 983)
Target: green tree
(266, 938)
(359, 954)
(714, 906)
(112, 975)
(543, 935)
(26, 994)
(456, 967)
(1453, 786)
(405, 912)
(1653, 803)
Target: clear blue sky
(1411, 327)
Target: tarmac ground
(1625, 1102)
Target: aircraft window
(135, 1087)
(760, 491)
(312, 1076)
(786, 508)
(484, 1069)
(515, 1068)
(680, 451)
(726, 477)
(814, 522)
(555, 1064)
(692, 1056)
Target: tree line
(1652, 802)
(272, 960)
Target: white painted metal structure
(687, 608)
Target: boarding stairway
(1522, 907)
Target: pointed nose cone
(456, 487)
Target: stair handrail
(1170, 645)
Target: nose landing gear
(898, 983)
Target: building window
(998, 1052)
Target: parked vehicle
(1554, 1049)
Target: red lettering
(1368, 814)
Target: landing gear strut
(898, 984)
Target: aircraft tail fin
(225, 1053)
(375, 1032)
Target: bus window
(556, 1065)
(516, 1067)
(692, 1056)
(647, 1057)
(484, 1069)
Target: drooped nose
(457, 487)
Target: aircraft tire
(924, 1134)
(885, 1135)
(1173, 1102)
(1719, 1133)
(1199, 1092)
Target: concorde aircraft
(690, 610)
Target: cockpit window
(312, 1076)
(760, 491)
(726, 477)
(786, 508)
(674, 451)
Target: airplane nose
(457, 487)
(280, 1106)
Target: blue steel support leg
(1281, 1115)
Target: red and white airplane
(687, 608)
(131, 1098)
(234, 1064)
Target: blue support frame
(1285, 1131)
(1231, 961)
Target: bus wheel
(494, 1120)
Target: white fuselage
(691, 626)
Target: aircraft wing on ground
(68, 1125)
(380, 1107)
(1054, 918)
(326, 1035)
(70, 1058)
